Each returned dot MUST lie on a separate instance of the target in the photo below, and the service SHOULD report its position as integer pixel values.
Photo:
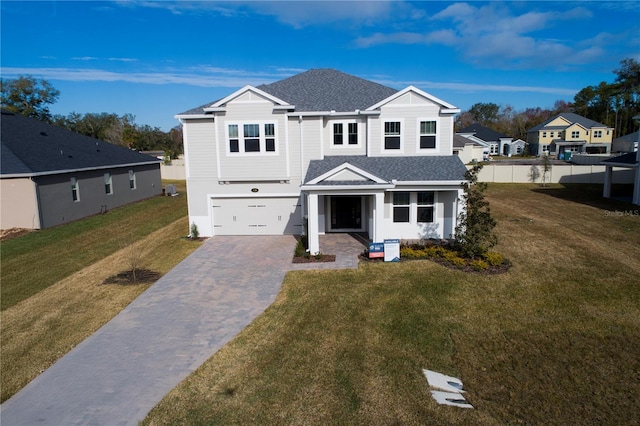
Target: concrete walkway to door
(117, 375)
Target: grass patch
(552, 341)
(55, 253)
(40, 329)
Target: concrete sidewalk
(117, 375)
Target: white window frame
(401, 135)
(262, 138)
(420, 134)
(597, 133)
(575, 134)
(493, 149)
(345, 134)
(75, 190)
(432, 204)
(108, 184)
(403, 206)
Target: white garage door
(256, 216)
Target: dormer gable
(412, 95)
(347, 173)
(248, 94)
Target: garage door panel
(256, 216)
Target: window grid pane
(251, 131)
(392, 128)
(353, 133)
(427, 127)
(337, 133)
(425, 198)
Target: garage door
(256, 216)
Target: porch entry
(346, 213)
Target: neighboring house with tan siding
(326, 150)
(50, 175)
(567, 134)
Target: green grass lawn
(52, 291)
(39, 259)
(553, 341)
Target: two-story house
(567, 134)
(325, 151)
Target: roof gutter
(84, 169)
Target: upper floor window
(132, 179)
(427, 134)
(75, 189)
(597, 133)
(544, 134)
(392, 135)
(108, 184)
(575, 134)
(345, 133)
(251, 137)
(551, 134)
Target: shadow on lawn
(591, 195)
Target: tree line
(613, 104)
(31, 97)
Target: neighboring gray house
(469, 149)
(496, 142)
(627, 143)
(326, 150)
(50, 175)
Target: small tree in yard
(474, 233)
(546, 169)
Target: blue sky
(155, 59)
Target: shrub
(194, 231)
(479, 265)
(300, 249)
(493, 258)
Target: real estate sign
(391, 250)
(376, 250)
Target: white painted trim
(445, 106)
(248, 88)
(254, 195)
(357, 188)
(346, 166)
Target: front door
(346, 212)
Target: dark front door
(346, 212)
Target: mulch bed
(142, 276)
(314, 259)
(493, 270)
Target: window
(493, 149)
(132, 180)
(353, 133)
(575, 134)
(544, 134)
(401, 202)
(551, 134)
(108, 187)
(270, 137)
(597, 133)
(75, 189)
(251, 137)
(427, 134)
(392, 135)
(337, 134)
(233, 138)
(425, 207)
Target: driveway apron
(116, 376)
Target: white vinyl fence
(559, 173)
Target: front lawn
(555, 340)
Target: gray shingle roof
(630, 158)
(461, 141)
(31, 147)
(571, 117)
(407, 169)
(322, 90)
(484, 133)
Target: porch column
(314, 239)
(608, 173)
(378, 217)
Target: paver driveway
(116, 376)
